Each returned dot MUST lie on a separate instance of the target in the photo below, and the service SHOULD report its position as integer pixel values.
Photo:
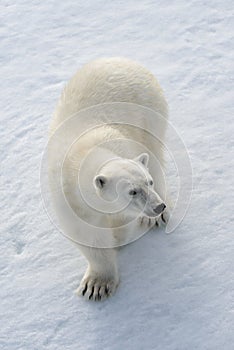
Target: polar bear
(120, 172)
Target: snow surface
(176, 290)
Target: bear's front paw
(97, 288)
(148, 221)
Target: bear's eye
(151, 183)
(133, 192)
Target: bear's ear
(100, 181)
(143, 158)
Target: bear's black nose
(159, 209)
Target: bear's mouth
(158, 210)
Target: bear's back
(110, 80)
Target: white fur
(126, 163)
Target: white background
(176, 291)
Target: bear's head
(128, 183)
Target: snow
(176, 290)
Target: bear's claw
(149, 221)
(97, 288)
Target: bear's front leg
(101, 278)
